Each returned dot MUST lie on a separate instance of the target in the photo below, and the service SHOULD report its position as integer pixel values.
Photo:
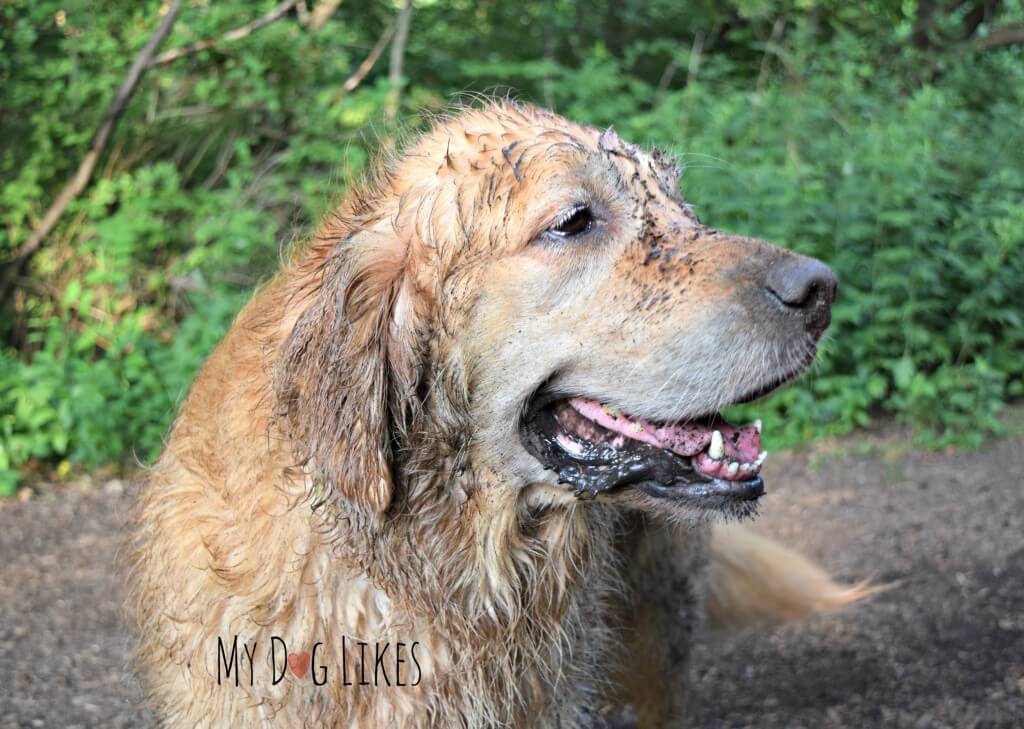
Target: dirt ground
(943, 649)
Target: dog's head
(535, 297)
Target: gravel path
(944, 649)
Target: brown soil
(945, 648)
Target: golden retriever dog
(459, 463)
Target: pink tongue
(742, 443)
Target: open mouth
(595, 448)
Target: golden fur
(345, 464)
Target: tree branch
(920, 35)
(1011, 35)
(232, 35)
(693, 64)
(981, 12)
(322, 13)
(368, 63)
(770, 47)
(397, 56)
(81, 178)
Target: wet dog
(475, 421)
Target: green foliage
(839, 130)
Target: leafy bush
(898, 162)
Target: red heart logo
(299, 663)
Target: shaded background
(883, 137)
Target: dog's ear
(345, 378)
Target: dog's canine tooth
(757, 425)
(717, 448)
(760, 458)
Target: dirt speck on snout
(943, 649)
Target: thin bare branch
(368, 63)
(81, 178)
(694, 64)
(322, 13)
(770, 48)
(397, 57)
(1011, 35)
(232, 35)
(693, 67)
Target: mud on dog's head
(532, 300)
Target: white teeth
(757, 425)
(717, 448)
(760, 458)
(745, 467)
(569, 445)
(611, 411)
(733, 468)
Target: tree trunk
(397, 57)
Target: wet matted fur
(350, 464)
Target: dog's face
(614, 327)
(596, 325)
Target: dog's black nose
(804, 286)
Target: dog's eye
(576, 221)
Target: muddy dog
(456, 464)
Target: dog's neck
(513, 592)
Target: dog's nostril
(801, 282)
(805, 285)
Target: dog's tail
(756, 581)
